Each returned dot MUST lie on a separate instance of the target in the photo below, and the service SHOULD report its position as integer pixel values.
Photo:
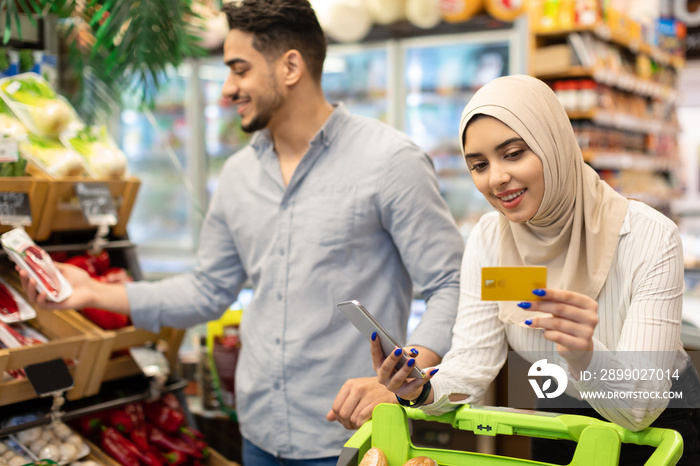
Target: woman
(615, 277)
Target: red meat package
(38, 264)
(13, 307)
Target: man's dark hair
(279, 26)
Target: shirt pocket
(331, 213)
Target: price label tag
(9, 150)
(96, 203)
(151, 361)
(14, 209)
(49, 377)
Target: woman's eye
(478, 166)
(514, 154)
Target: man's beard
(265, 114)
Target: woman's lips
(512, 202)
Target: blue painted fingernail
(434, 371)
(398, 352)
(528, 322)
(539, 292)
(411, 362)
(414, 351)
(524, 305)
(374, 336)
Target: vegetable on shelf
(129, 436)
(111, 442)
(172, 444)
(9, 125)
(164, 417)
(51, 156)
(40, 108)
(101, 155)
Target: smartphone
(512, 283)
(366, 324)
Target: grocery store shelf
(618, 37)
(624, 81)
(627, 161)
(625, 122)
(113, 394)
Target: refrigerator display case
(360, 77)
(150, 139)
(439, 77)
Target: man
(320, 208)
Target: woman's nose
(498, 175)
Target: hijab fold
(575, 230)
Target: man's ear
(294, 66)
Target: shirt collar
(262, 141)
(626, 226)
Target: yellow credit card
(512, 283)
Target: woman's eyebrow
(497, 148)
(506, 142)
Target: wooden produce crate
(66, 340)
(62, 211)
(106, 365)
(97, 455)
(36, 188)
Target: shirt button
(276, 385)
(279, 296)
(281, 252)
(277, 341)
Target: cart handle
(598, 441)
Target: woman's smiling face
(504, 168)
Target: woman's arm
(640, 318)
(479, 346)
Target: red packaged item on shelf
(106, 320)
(38, 264)
(8, 306)
(84, 263)
(13, 307)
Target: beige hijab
(575, 230)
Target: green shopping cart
(598, 442)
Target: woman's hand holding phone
(397, 380)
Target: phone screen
(366, 324)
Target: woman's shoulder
(642, 216)
(485, 232)
(488, 224)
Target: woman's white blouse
(639, 308)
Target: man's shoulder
(375, 131)
(241, 158)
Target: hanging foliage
(115, 46)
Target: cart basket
(598, 442)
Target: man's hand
(77, 277)
(356, 399)
(87, 292)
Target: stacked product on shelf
(55, 154)
(54, 151)
(616, 76)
